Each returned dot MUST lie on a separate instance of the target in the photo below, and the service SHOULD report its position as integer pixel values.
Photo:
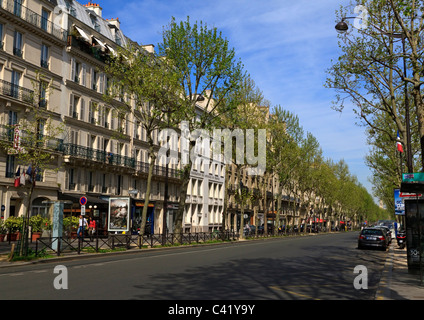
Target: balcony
(15, 91)
(33, 18)
(157, 170)
(87, 153)
(88, 48)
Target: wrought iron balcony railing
(87, 153)
(97, 155)
(17, 9)
(15, 91)
(84, 46)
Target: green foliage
(70, 223)
(14, 224)
(39, 223)
(3, 229)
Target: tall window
(17, 44)
(16, 77)
(42, 103)
(44, 19)
(94, 79)
(1, 36)
(44, 56)
(13, 119)
(10, 166)
(17, 8)
(71, 182)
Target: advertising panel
(119, 214)
(399, 203)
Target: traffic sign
(83, 210)
(83, 201)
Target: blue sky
(285, 45)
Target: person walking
(92, 228)
(81, 227)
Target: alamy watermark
(361, 280)
(218, 144)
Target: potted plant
(70, 225)
(3, 230)
(13, 226)
(38, 223)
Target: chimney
(149, 48)
(95, 7)
(114, 22)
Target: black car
(387, 231)
(373, 238)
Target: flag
(17, 177)
(398, 143)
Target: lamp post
(342, 27)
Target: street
(316, 267)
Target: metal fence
(87, 244)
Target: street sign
(413, 177)
(83, 201)
(83, 210)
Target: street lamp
(342, 27)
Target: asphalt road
(319, 267)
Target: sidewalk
(396, 283)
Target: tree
(34, 143)
(208, 72)
(380, 66)
(148, 88)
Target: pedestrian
(82, 224)
(92, 228)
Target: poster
(399, 203)
(119, 214)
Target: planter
(73, 234)
(14, 236)
(35, 236)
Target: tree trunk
(25, 227)
(183, 195)
(152, 160)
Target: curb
(383, 290)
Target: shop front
(136, 216)
(96, 208)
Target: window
(42, 103)
(17, 44)
(75, 70)
(119, 186)
(84, 75)
(44, 56)
(40, 132)
(91, 109)
(17, 8)
(82, 109)
(44, 19)
(16, 77)
(13, 119)
(73, 103)
(1, 36)
(94, 79)
(71, 182)
(10, 166)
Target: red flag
(17, 177)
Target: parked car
(373, 238)
(388, 232)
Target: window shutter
(73, 69)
